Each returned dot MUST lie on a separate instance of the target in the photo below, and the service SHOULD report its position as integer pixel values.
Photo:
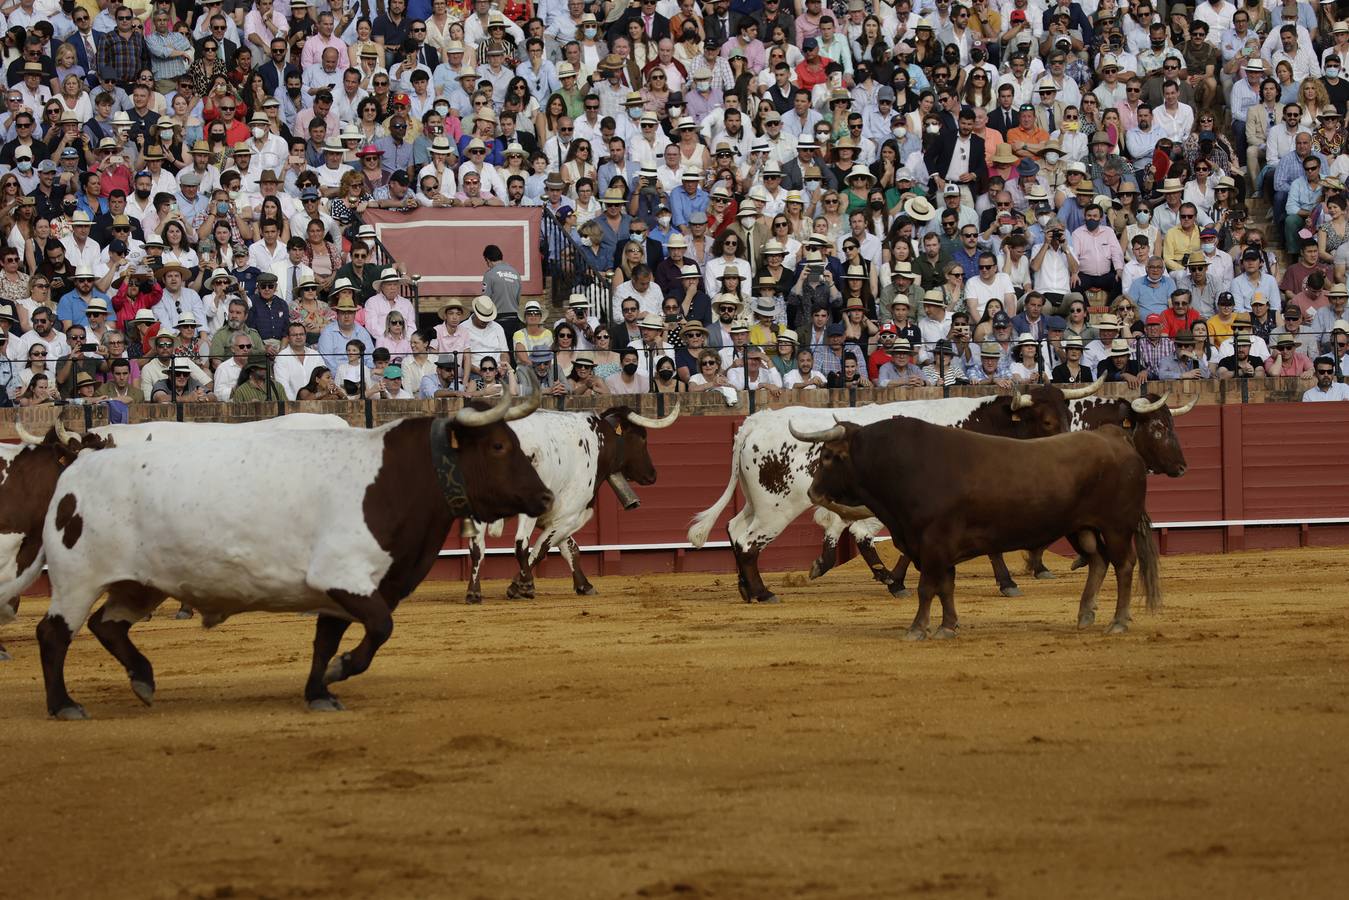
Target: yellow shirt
(1218, 330)
(1176, 245)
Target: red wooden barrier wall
(1285, 461)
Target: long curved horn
(530, 403)
(64, 436)
(476, 418)
(1142, 405)
(818, 437)
(1079, 393)
(25, 435)
(665, 422)
(1021, 400)
(1182, 410)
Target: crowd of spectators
(758, 194)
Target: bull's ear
(1016, 417)
(618, 428)
(1127, 423)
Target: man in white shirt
(1175, 119)
(642, 288)
(1327, 388)
(227, 373)
(81, 251)
(268, 253)
(485, 337)
(295, 362)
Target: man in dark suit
(653, 23)
(85, 41)
(719, 26)
(275, 69)
(1004, 116)
(958, 156)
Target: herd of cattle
(116, 512)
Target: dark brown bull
(1014, 418)
(1152, 423)
(946, 497)
(28, 475)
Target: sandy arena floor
(665, 740)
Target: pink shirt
(450, 343)
(1096, 251)
(377, 309)
(314, 45)
(1298, 365)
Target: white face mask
(899, 133)
(258, 132)
(1143, 217)
(934, 129)
(634, 112)
(675, 110)
(703, 85)
(1051, 157)
(1005, 228)
(591, 32)
(1209, 248)
(663, 221)
(1044, 218)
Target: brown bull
(946, 497)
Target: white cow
(127, 521)
(574, 453)
(774, 470)
(170, 430)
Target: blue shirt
(967, 261)
(71, 307)
(332, 344)
(1290, 170)
(1151, 298)
(1244, 292)
(682, 205)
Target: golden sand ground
(664, 739)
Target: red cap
(889, 328)
(402, 99)
(1018, 15)
(1153, 319)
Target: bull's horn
(1079, 393)
(64, 436)
(1143, 405)
(1182, 410)
(25, 435)
(818, 437)
(530, 403)
(476, 418)
(664, 422)
(1021, 401)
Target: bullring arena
(664, 739)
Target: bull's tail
(1149, 570)
(11, 589)
(702, 523)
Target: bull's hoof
(144, 691)
(898, 590)
(71, 713)
(817, 569)
(473, 597)
(1078, 563)
(4, 655)
(1010, 590)
(587, 590)
(915, 634)
(183, 613)
(326, 704)
(769, 598)
(883, 576)
(1117, 628)
(944, 633)
(515, 591)
(1086, 619)
(1045, 575)
(336, 670)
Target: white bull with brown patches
(774, 470)
(574, 454)
(120, 523)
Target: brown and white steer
(129, 526)
(28, 474)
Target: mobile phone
(89, 348)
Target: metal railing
(567, 271)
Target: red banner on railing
(444, 246)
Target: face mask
(1043, 218)
(664, 374)
(1143, 217)
(899, 133)
(590, 32)
(663, 221)
(293, 91)
(1333, 72)
(704, 85)
(635, 112)
(258, 132)
(1157, 45)
(675, 110)
(442, 109)
(812, 186)
(934, 129)
(1051, 157)
(1092, 224)
(25, 165)
(878, 204)
(630, 368)
(141, 195)
(1005, 228)
(1209, 248)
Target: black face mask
(141, 195)
(293, 91)
(665, 374)
(878, 204)
(630, 368)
